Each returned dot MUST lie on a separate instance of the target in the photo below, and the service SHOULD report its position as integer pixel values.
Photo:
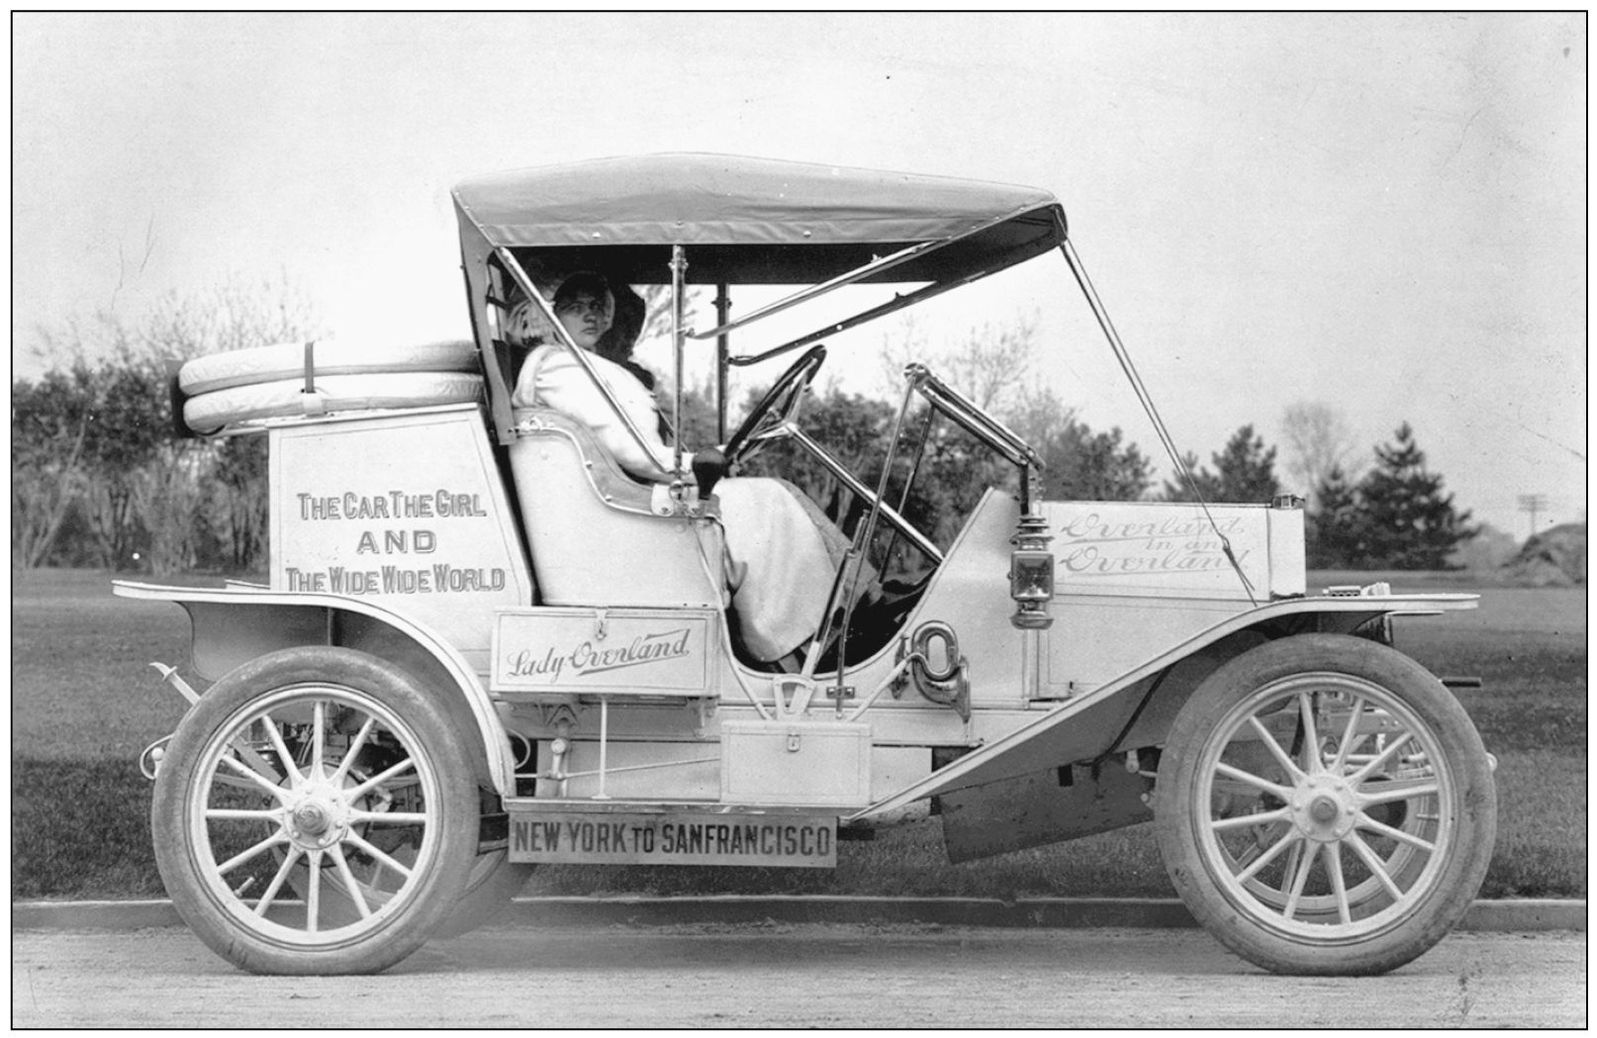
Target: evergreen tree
(1203, 482)
(1247, 469)
(1082, 465)
(1411, 522)
(1336, 532)
(1078, 463)
(1244, 473)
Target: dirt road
(796, 975)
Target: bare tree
(1317, 439)
(657, 310)
(993, 363)
(41, 498)
(234, 314)
(115, 462)
(166, 492)
(898, 350)
(50, 422)
(990, 364)
(110, 419)
(173, 483)
(236, 501)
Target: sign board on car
(673, 838)
(1175, 550)
(664, 652)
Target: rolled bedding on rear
(324, 376)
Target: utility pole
(1532, 503)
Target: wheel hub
(1323, 808)
(310, 819)
(319, 819)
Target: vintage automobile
(484, 645)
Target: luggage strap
(311, 401)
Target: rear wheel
(495, 879)
(492, 882)
(316, 813)
(1325, 806)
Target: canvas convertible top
(759, 221)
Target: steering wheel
(775, 409)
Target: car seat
(594, 537)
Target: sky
(1381, 213)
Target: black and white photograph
(823, 519)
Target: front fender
(235, 624)
(1118, 714)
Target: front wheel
(316, 812)
(1325, 806)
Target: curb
(1522, 915)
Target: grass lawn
(85, 702)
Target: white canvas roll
(329, 357)
(209, 412)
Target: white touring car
(483, 645)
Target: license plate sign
(604, 838)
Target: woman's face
(586, 316)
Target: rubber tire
(1474, 823)
(447, 752)
(495, 880)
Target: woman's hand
(709, 465)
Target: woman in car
(782, 552)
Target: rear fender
(236, 624)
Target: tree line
(99, 479)
(1395, 515)
(98, 476)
